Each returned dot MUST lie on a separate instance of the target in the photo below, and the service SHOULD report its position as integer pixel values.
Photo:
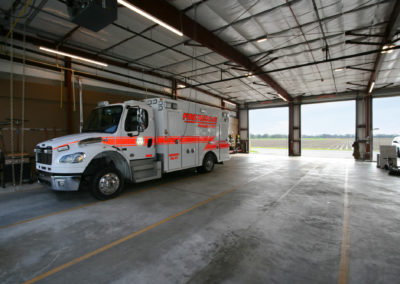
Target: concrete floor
(256, 219)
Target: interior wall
(44, 114)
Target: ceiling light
(148, 16)
(227, 102)
(261, 39)
(387, 46)
(282, 97)
(250, 75)
(370, 88)
(181, 86)
(339, 69)
(72, 56)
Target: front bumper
(60, 182)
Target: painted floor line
(345, 247)
(128, 237)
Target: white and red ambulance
(134, 141)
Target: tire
(107, 183)
(208, 163)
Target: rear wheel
(208, 163)
(107, 183)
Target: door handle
(177, 141)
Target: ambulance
(134, 141)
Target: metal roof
(307, 44)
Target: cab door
(137, 139)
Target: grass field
(343, 144)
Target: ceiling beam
(391, 29)
(328, 97)
(173, 17)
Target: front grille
(44, 155)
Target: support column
(68, 84)
(364, 127)
(244, 129)
(174, 88)
(294, 129)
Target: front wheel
(107, 183)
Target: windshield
(103, 119)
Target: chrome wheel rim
(109, 183)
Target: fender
(105, 158)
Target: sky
(327, 118)
(386, 116)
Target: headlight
(63, 148)
(73, 158)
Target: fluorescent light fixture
(282, 97)
(225, 101)
(250, 75)
(148, 16)
(370, 88)
(262, 39)
(339, 69)
(387, 46)
(72, 56)
(181, 86)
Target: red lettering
(199, 118)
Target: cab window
(104, 119)
(136, 117)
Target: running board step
(144, 170)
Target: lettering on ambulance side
(174, 156)
(204, 121)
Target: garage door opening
(328, 129)
(385, 122)
(269, 131)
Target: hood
(70, 139)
